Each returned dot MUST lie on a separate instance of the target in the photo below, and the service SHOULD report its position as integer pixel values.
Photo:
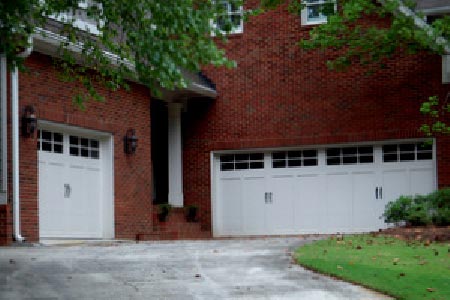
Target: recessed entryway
(340, 188)
(75, 182)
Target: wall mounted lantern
(130, 141)
(29, 121)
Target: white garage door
(317, 190)
(71, 181)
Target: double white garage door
(317, 190)
(73, 199)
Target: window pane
(365, 159)
(310, 153)
(46, 146)
(241, 165)
(279, 164)
(58, 137)
(227, 166)
(294, 154)
(349, 151)
(227, 158)
(390, 157)
(84, 152)
(84, 142)
(407, 147)
(58, 148)
(310, 162)
(333, 161)
(46, 135)
(424, 155)
(294, 163)
(279, 155)
(74, 151)
(365, 150)
(73, 140)
(257, 165)
(407, 156)
(256, 156)
(347, 160)
(390, 149)
(241, 157)
(94, 144)
(424, 147)
(333, 152)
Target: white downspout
(15, 144)
(4, 131)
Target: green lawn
(408, 271)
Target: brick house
(278, 145)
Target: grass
(404, 270)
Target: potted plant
(163, 211)
(191, 213)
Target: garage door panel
(253, 205)
(365, 211)
(280, 209)
(422, 181)
(231, 208)
(395, 184)
(309, 203)
(339, 202)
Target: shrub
(420, 210)
(396, 211)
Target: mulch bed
(426, 233)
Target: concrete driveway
(212, 270)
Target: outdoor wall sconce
(29, 121)
(130, 141)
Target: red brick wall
(52, 99)
(280, 95)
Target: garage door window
(84, 147)
(233, 162)
(349, 155)
(407, 152)
(50, 141)
(294, 159)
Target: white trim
(236, 30)
(4, 130)
(304, 13)
(214, 217)
(175, 155)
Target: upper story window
(79, 18)
(316, 11)
(231, 20)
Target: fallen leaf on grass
(402, 274)
(340, 267)
(431, 290)
(358, 247)
(395, 260)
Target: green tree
(146, 40)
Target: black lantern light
(130, 141)
(29, 121)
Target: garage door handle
(376, 193)
(266, 197)
(67, 190)
(381, 192)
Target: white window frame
(304, 13)
(66, 17)
(240, 12)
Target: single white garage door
(71, 190)
(317, 190)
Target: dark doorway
(159, 123)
